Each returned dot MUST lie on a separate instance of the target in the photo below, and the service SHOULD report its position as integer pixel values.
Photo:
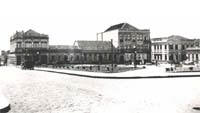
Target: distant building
(170, 49)
(30, 45)
(4, 57)
(129, 40)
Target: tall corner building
(29, 45)
(133, 42)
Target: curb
(113, 77)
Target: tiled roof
(121, 26)
(172, 39)
(28, 33)
(114, 27)
(93, 45)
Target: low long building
(96, 52)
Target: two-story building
(170, 49)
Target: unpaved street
(32, 91)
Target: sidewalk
(148, 72)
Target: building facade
(30, 45)
(170, 49)
(121, 43)
(130, 40)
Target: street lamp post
(38, 60)
(135, 52)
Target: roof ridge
(123, 25)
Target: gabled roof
(93, 45)
(121, 26)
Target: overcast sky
(68, 20)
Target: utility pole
(112, 54)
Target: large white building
(170, 49)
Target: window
(85, 56)
(176, 57)
(44, 44)
(35, 44)
(160, 46)
(165, 46)
(197, 58)
(77, 57)
(28, 44)
(121, 40)
(110, 57)
(183, 47)
(59, 58)
(145, 38)
(105, 56)
(52, 58)
(19, 44)
(176, 47)
(170, 57)
(170, 46)
(66, 58)
(165, 57)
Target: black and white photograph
(99, 56)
